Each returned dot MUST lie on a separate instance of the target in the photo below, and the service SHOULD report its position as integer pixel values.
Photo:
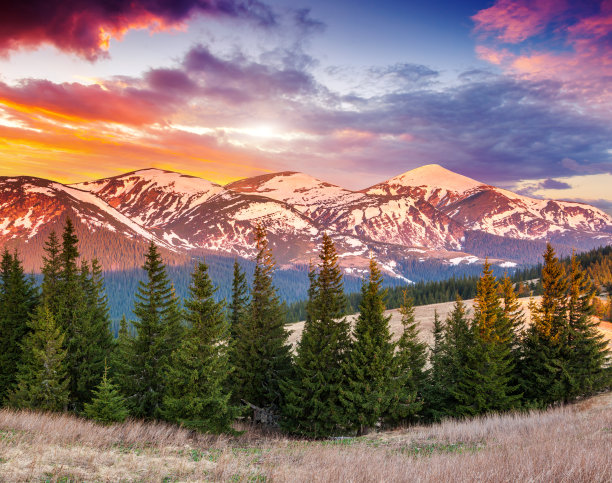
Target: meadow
(563, 444)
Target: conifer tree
(157, 328)
(51, 270)
(108, 405)
(485, 384)
(262, 354)
(18, 299)
(120, 361)
(409, 375)
(586, 352)
(42, 379)
(94, 332)
(434, 390)
(313, 407)
(450, 363)
(541, 368)
(240, 299)
(196, 395)
(369, 365)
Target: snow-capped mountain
(30, 208)
(477, 206)
(426, 213)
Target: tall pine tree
(586, 352)
(542, 371)
(369, 365)
(485, 384)
(197, 395)
(262, 354)
(240, 299)
(158, 330)
(312, 406)
(42, 379)
(409, 375)
(18, 300)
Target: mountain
(30, 208)
(428, 214)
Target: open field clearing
(567, 444)
(424, 314)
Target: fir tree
(94, 332)
(486, 377)
(409, 375)
(157, 328)
(368, 392)
(586, 352)
(18, 299)
(51, 270)
(541, 371)
(196, 395)
(262, 355)
(457, 341)
(240, 299)
(42, 379)
(121, 358)
(434, 390)
(108, 405)
(313, 407)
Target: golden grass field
(424, 314)
(565, 444)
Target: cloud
(570, 42)
(271, 111)
(85, 27)
(553, 184)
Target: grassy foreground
(568, 444)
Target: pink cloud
(514, 21)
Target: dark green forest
(203, 360)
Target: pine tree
(51, 270)
(196, 395)
(369, 366)
(18, 299)
(262, 354)
(409, 375)
(42, 379)
(434, 390)
(240, 299)
(541, 368)
(120, 360)
(313, 407)
(450, 363)
(157, 328)
(586, 352)
(108, 405)
(486, 377)
(94, 332)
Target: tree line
(202, 362)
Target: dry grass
(424, 314)
(569, 444)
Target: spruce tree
(586, 352)
(42, 379)
(312, 406)
(486, 378)
(18, 299)
(542, 373)
(262, 354)
(196, 396)
(434, 389)
(368, 392)
(409, 381)
(107, 405)
(457, 341)
(51, 270)
(120, 360)
(240, 299)
(157, 328)
(95, 334)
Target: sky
(516, 94)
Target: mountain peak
(435, 176)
